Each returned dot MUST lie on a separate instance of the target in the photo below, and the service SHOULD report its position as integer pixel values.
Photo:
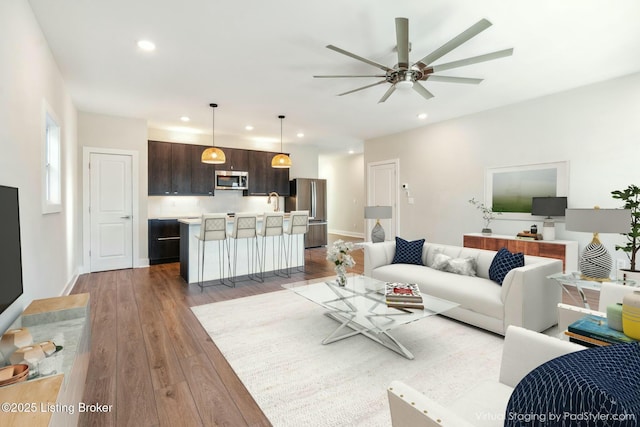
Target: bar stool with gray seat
(272, 226)
(244, 228)
(298, 224)
(213, 228)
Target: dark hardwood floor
(152, 360)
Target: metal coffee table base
(381, 337)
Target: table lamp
(377, 213)
(548, 207)
(595, 261)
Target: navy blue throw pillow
(408, 252)
(504, 262)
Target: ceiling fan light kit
(405, 75)
(213, 155)
(281, 160)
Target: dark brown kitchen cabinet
(237, 160)
(202, 174)
(159, 167)
(164, 241)
(180, 169)
(263, 179)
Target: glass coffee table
(360, 309)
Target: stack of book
(403, 295)
(526, 235)
(592, 330)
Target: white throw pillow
(441, 261)
(465, 266)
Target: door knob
(126, 217)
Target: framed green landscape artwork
(510, 189)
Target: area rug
(273, 342)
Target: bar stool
(298, 224)
(213, 228)
(272, 226)
(244, 227)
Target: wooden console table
(564, 250)
(52, 400)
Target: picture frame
(510, 189)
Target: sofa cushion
(504, 262)
(472, 293)
(408, 252)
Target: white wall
(101, 131)
(29, 76)
(595, 128)
(345, 193)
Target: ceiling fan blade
(461, 38)
(422, 90)
(363, 87)
(449, 79)
(473, 60)
(359, 58)
(402, 40)
(340, 76)
(387, 94)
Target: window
(52, 194)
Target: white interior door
(382, 189)
(110, 212)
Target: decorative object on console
(488, 215)
(12, 340)
(548, 207)
(595, 260)
(527, 235)
(377, 213)
(408, 252)
(340, 256)
(631, 315)
(213, 155)
(631, 198)
(281, 160)
(503, 262)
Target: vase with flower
(488, 215)
(340, 256)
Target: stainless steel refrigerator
(308, 194)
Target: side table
(574, 280)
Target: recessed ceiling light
(146, 45)
(422, 116)
(185, 119)
(300, 134)
(248, 127)
(351, 151)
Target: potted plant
(488, 215)
(631, 198)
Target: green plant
(487, 214)
(631, 198)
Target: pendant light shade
(281, 160)
(213, 155)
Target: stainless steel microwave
(232, 180)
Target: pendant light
(213, 155)
(281, 160)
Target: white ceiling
(256, 58)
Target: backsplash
(223, 201)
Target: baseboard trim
(69, 286)
(347, 233)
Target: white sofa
(526, 298)
(485, 404)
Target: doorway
(382, 190)
(110, 212)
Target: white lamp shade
(377, 212)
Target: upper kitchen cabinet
(180, 169)
(263, 179)
(237, 160)
(202, 174)
(159, 167)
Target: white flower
(339, 254)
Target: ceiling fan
(406, 75)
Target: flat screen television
(548, 206)
(10, 249)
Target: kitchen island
(189, 260)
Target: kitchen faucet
(276, 206)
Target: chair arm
(409, 407)
(525, 350)
(567, 314)
(377, 255)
